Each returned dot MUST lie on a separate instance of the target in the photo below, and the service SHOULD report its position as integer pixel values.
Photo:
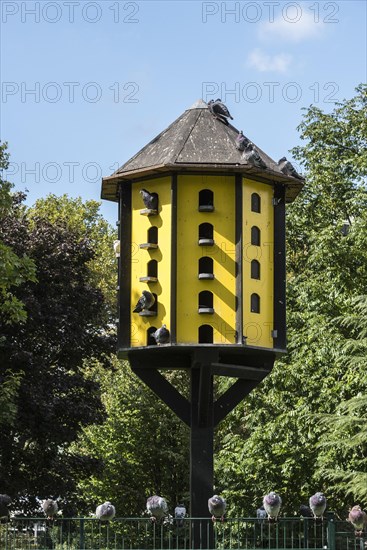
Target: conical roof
(201, 142)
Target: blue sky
(86, 84)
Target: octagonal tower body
(213, 254)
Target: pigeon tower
(202, 229)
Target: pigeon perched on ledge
(50, 508)
(217, 507)
(157, 507)
(219, 110)
(146, 301)
(288, 169)
(272, 503)
(105, 511)
(358, 518)
(180, 513)
(116, 248)
(261, 513)
(305, 511)
(318, 505)
(150, 200)
(161, 336)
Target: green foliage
(42, 360)
(10, 383)
(14, 270)
(85, 219)
(270, 442)
(142, 444)
(343, 445)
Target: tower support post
(201, 457)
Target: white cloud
(264, 62)
(292, 27)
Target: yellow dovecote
(213, 254)
(202, 250)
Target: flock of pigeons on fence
(157, 508)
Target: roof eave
(110, 183)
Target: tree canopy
(67, 324)
(79, 424)
(270, 442)
(14, 269)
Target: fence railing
(143, 534)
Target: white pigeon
(50, 507)
(157, 507)
(105, 511)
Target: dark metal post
(81, 534)
(331, 543)
(201, 457)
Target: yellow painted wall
(189, 252)
(141, 257)
(258, 326)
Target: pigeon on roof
(105, 511)
(288, 169)
(197, 140)
(251, 155)
(217, 507)
(219, 110)
(161, 336)
(146, 301)
(241, 141)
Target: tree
(343, 457)
(67, 324)
(14, 269)
(143, 446)
(85, 219)
(271, 440)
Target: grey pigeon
(260, 513)
(105, 511)
(318, 505)
(180, 513)
(50, 507)
(272, 503)
(116, 248)
(305, 511)
(241, 141)
(150, 199)
(217, 507)
(161, 336)
(219, 110)
(358, 518)
(288, 169)
(252, 156)
(146, 301)
(157, 507)
(5, 500)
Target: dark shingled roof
(196, 141)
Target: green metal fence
(142, 534)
